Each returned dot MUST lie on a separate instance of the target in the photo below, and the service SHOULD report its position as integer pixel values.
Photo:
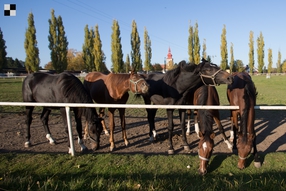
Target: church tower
(169, 60)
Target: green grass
(138, 171)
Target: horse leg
(123, 125)
(170, 130)
(197, 128)
(182, 113)
(189, 113)
(83, 148)
(257, 162)
(45, 119)
(151, 113)
(111, 127)
(101, 115)
(234, 128)
(29, 119)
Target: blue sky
(167, 23)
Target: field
(142, 165)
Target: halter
(211, 77)
(135, 84)
(242, 158)
(203, 158)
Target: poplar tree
(58, 43)
(99, 56)
(116, 48)
(197, 46)
(260, 52)
(223, 49)
(87, 49)
(191, 45)
(270, 62)
(3, 53)
(127, 64)
(135, 48)
(32, 60)
(204, 53)
(148, 51)
(251, 52)
(231, 67)
(279, 62)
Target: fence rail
(70, 105)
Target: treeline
(92, 57)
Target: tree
(58, 43)
(279, 62)
(238, 66)
(75, 60)
(197, 46)
(260, 52)
(98, 54)
(135, 48)
(223, 49)
(157, 67)
(191, 44)
(127, 64)
(32, 60)
(87, 49)
(231, 58)
(204, 54)
(251, 52)
(116, 48)
(270, 62)
(283, 66)
(3, 52)
(148, 51)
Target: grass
(32, 171)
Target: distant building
(169, 60)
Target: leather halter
(203, 158)
(135, 84)
(212, 77)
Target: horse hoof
(94, 146)
(257, 164)
(85, 150)
(170, 151)
(27, 144)
(53, 143)
(106, 133)
(111, 149)
(187, 148)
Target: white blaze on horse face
(205, 146)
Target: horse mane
(74, 91)
(172, 75)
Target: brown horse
(203, 119)
(243, 93)
(113, 89)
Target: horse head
(213, 75)
(244, 146)
(206, 145)
(94, 130)
(137, 84)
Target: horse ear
(212, 136)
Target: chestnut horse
(113, 89)
(60, 88)
(243, 93)
(172, 88)
(204, 119)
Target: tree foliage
(231, 67)
(135, 48)
(127, 64)
(197, 46)
(75, 60)
(191, 44)
(148, 51)
(204, 53)
(3, 52)
(87, 49)
(251, 52)
(32, 60)
(116, 48)
(98, 54)
(260, 52)
(279, 62)
(223, 49)
(270, 62)
(58, 43)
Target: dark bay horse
(60, 88)
(243, 93)
(113, 89)
(204, 119)
(172, 88)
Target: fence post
(68, 113)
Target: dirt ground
(270, 128)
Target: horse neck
(188, 81)
(118, 85)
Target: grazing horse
(204, 119)
(243, 93)
(172, 88)
(60, 88)
(113, 89)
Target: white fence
(69, 105)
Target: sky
(167, 23)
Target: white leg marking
(231, 136)
(188, 127)
(229, 145)
(50, 138)
(82, 146)
(197, 129)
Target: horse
(203, 120)
(243, 93)
(114, 89)
(60, 88)
(172, 88)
